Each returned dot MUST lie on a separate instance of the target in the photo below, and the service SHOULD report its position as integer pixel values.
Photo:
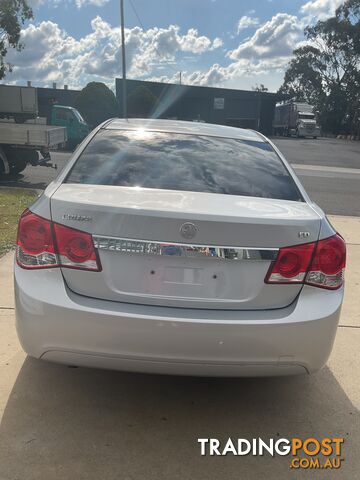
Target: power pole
(180, 77)
(124, 106)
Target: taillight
(328, 266)
(320, 264)
(291, 264)
(43, 244)
(75, 248)
(35, 242)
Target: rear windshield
(174, 161)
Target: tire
(18, 159)
(18, 167)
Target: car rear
(164, 250)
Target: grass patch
(13, 202)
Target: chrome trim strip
(127, 245)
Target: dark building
(47, 97)
(238, 108)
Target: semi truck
(295, 118)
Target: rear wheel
(18, 167)
(18, 159)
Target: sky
(227, 43)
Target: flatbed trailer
(27, 143)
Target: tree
(141, 102)
(325, 71)
(96, 102)
(13, 14)
(259, 88)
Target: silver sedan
(180, 248)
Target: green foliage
(325, 72)
(96, 102)
(141, 102)
(259, 88)
(13, 14)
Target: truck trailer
(295, 118)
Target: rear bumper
(55, 324)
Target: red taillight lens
(319, 264)
(75, 248)
(35, 242)
(43, 244)
(291, 264)
(328, 266)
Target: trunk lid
(145, 253)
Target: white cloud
(246, 22)
(51, 54)
(265, 54)
(320, 9)
(217, 42)
(217, 75)
(276, 38)
(214, 76)
(191, 42)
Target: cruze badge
(77, 218)
(188, 230)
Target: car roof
(180, 126)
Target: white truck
(295, 118)
(24, 143)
